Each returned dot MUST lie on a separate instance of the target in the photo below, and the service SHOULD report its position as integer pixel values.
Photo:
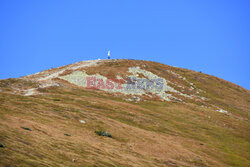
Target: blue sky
(212, 36)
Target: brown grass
(149, 133)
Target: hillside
(158, 115)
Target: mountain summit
(123, 113)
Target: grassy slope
(150, 133)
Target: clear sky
(212, 36)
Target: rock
(1, 145)
(25, 128)
(67, 134)
(73, 160)
(82, 121)
(128, 99)
(222, 111)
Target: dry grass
(149, 133)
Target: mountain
(123, 113)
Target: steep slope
(158, 115)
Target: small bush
(25, 128)
(103, 133)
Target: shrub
(103, 133)
(25, 128)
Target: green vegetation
(25, 128)
(103, 133)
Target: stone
(82, 121)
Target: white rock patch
(80, 78)
(166, 88)
(71, 67)
(222, 111)
(30, 92)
